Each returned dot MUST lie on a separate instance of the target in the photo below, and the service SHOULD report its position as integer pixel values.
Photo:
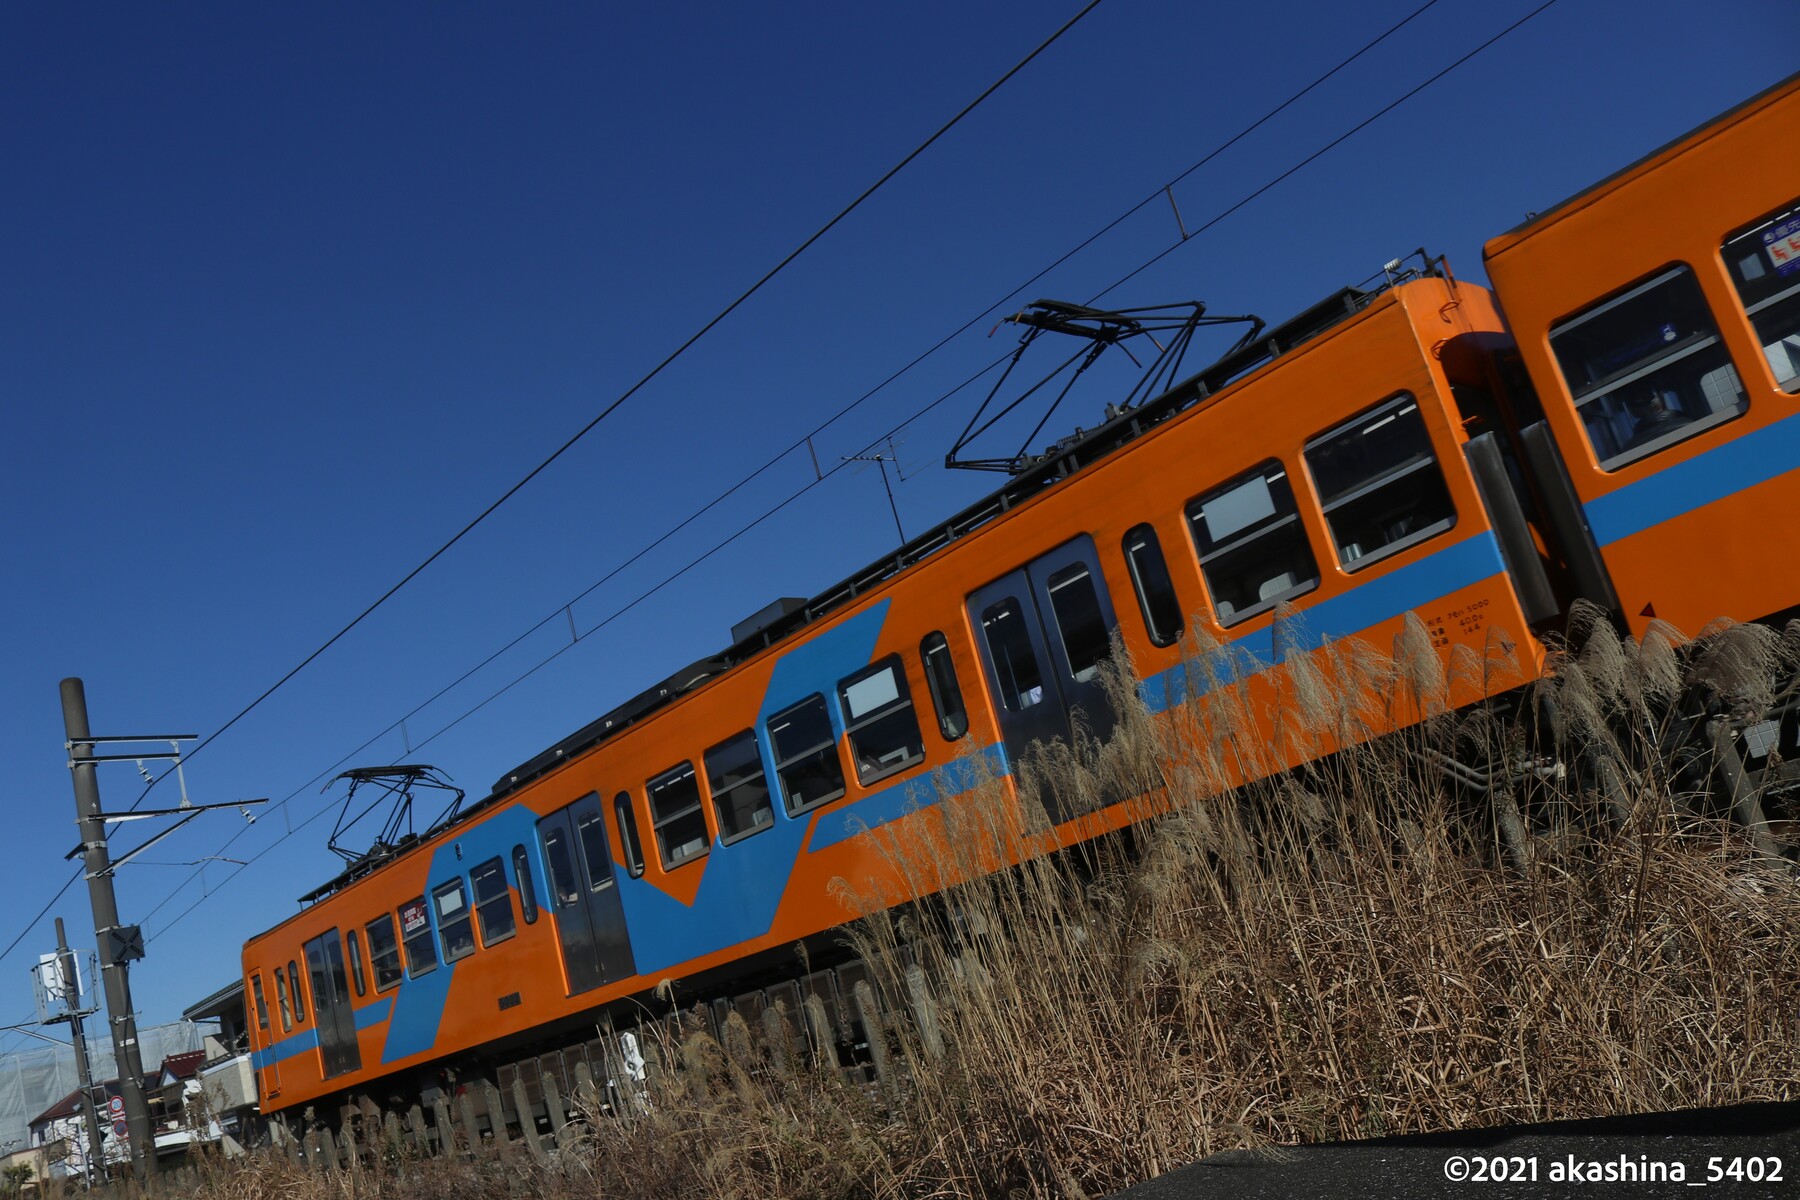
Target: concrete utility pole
(71, 982)
(113, 969)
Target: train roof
(784, 619)
(1523, 230)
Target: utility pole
(117, 945)
(113, 969)
(71, 986)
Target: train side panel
(1659, 317)
(1331, 481)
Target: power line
(1329, 146)
(879, 387)
(653, 373)
(697, 561)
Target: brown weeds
(1336, 952)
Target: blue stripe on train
(1744, 462)
(890, 804)
(374, 1014)
(418, 1007)
(744, 882)
(286, 1048)
(1375, 600)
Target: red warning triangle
(1649, 611)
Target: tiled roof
(68, 1106)
(184, 1066)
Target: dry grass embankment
(1335, 954)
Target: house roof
(227, 1000)
(68, 1106)
(183, 1066)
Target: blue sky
(291, 293)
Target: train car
(1658, 313)
(696, 835)
(1377, 456)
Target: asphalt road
(1745, 1151)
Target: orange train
(1620, 410)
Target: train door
(1044, 630)
(270, 1081)
(332, 1016)
(590, 920)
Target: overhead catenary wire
(853, 405)
(631, 391)
(1322, 150)
(916, 415)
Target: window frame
(625, 813)
(354, 960)
(1398, 403)
(1783, 216)
(498, 864)
(1145, 535)
(294, 986)
(719, 795)
(668, 779)
(1095, 585)
(602, 879)
(527, 883)
(1238, 539)
(903, 699)
(835, 744)
(1592, 393)
(427, 938)
(458, 886)
(282, 1002)
(1014, 698)
(375, 955)
(261, 1001)
(946, 717)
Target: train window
(262, 1005)
(384, 951)
(1379, 483)
(527, 889)
(1079, 621)
(455, 927)
(1764, 261)
(1015, 663)
(806, 758)
(281, 1001)
(493, 903)
(415, 935)
(1253, 548)
(740, 791)
(354, 946)
(880, 721)
(294, 983)
(1155, 590)
(590, 831)
(565, 889)
(1646, 368)
(676, 815)
(628, 834)
(940, 677)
